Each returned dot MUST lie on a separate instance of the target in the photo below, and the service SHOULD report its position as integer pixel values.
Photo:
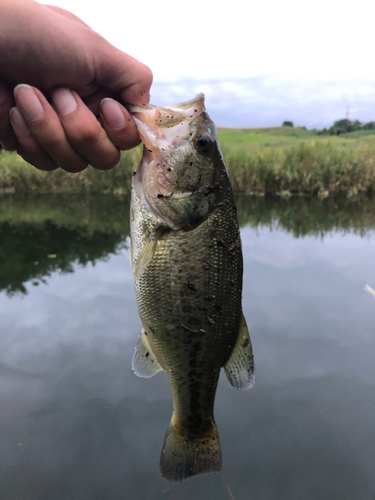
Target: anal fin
(240, 366)
(144, 363)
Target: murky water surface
(76, 424)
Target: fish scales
(182, 299)
(188, 283)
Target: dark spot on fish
(195, 110)
(150, 150)
(188, 329)
(157, 164)
(134, 172)
(153, 331)
(191, 287)
(191, 163)
(160, 195)
(147, 354)
(169, 169)
(236, 245)
(221, 243)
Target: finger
(45, 127)
(28, 148)
(83, 130)
(7, 136)
(118, 124)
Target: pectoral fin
(240, 366)
(147, 253)
(144, 363)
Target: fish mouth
(164, 127)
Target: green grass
(273, 160)
(280, 160)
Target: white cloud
(261, 63)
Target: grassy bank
(279, 160)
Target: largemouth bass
(187, 265)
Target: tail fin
(184, 456)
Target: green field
(278, 160)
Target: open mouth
(162, 128)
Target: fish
(187, 265)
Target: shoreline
(279, 161)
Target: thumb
(129, 79)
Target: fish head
(178, 177)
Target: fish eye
(204, 143)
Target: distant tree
(288, 124)
(342, 127)
(369, 126)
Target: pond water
(76, 424)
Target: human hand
(67, 115)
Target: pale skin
(61, 85)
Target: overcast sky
(259, 63)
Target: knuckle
(75, 167)
(9, 143)
(87, 135)
(107, 161)
(40, 161)
(51, 142)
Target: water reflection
(43, 234)
(76, 424)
